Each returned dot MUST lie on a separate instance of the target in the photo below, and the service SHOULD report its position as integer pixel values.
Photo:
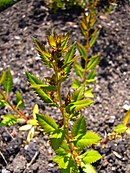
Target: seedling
(68, 135)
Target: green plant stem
(65, 121)
(5, 97)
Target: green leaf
(82, 50)
(19, 100)
(8, 82)
(3, 103)
(47, 123)
(66, 164)
(68, 58)
(78, 69)
(88, 139)
(121, 128)
(79, 127)
(8, 119)
(91, 75)
(78, 94)
(44, 86)
(88, 93)
(94, 38)
(87, 168)
(71, 167)
(41, 93)
(70, 54)
(93, 61)
(65, 41)
(63, 149)
(62, 161)
(90, 157)
(76, 83)
(57, 138)
(81, 104)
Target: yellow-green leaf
(126, 117)
(121, 128)
(8, 82)
(82, 50)
(52, 41)
(93, 62)
(35, 111)
(47, 123)
(2, 77)
(88, 139)
(90, 156)
(88, 168)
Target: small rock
(126, 107)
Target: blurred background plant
(108, 5)
(6, 3)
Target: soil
(29, 18)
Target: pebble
(5, 171)
(126, 107)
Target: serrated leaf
(57, 138)
(78, 94)
(76, 83)
(91, 75)
(44, 86)
(62, 161)
(63, 149)
(88, 93)
(69, 56)
(121, 128)
(65, 41)
(8, 119)
(8, 82)
(93, 62)
(87, 168)
(79, 127)
(88, 139)
(90, 157)
(35, 111)
(81, 104)
(19, 100)
(34, 80)
(82, 50)
(94, 38)
(47, 123)
(126, 117)
(78, 69)
(71, 167)
(42, 52)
